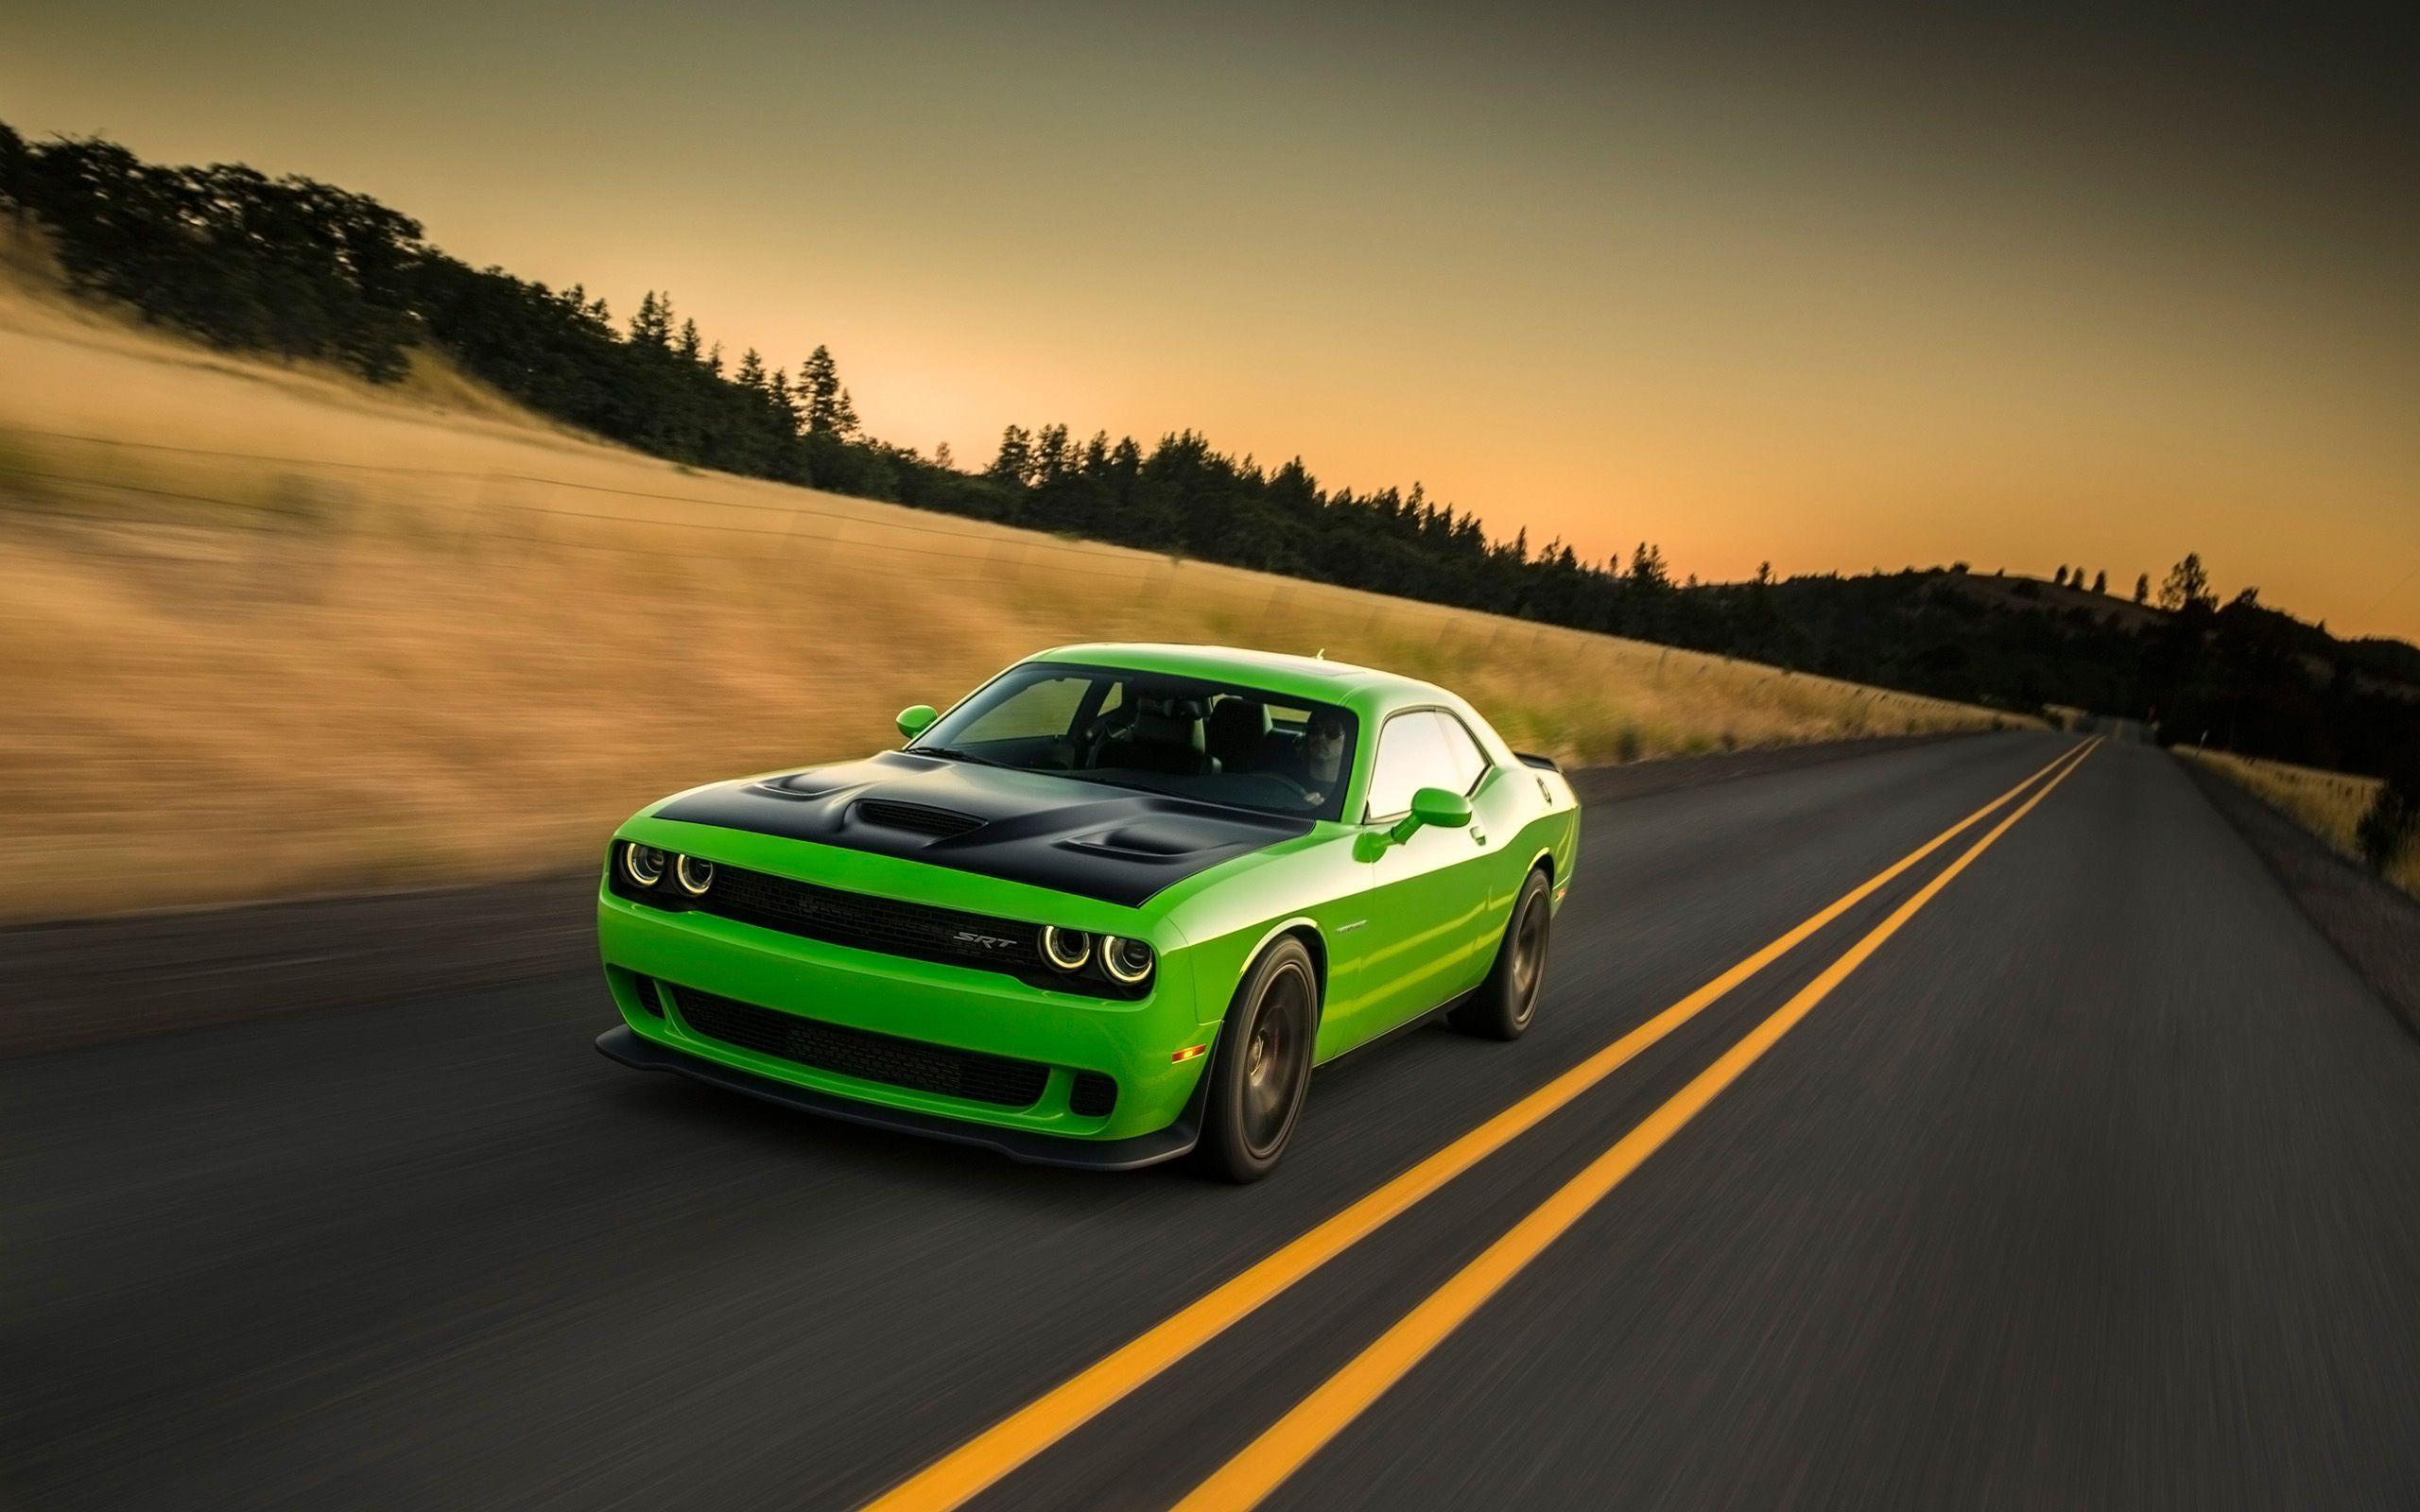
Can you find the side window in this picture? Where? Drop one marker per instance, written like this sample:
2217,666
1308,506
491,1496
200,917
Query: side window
1468,758
1412,754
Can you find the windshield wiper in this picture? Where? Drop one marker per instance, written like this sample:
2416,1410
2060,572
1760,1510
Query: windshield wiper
1254,809
953,753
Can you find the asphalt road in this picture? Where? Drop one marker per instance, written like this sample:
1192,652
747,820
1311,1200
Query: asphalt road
2097,1184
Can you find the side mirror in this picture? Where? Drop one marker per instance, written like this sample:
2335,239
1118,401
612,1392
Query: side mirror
917,719
1439,806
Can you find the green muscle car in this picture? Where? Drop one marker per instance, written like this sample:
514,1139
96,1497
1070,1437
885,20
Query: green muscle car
1110,909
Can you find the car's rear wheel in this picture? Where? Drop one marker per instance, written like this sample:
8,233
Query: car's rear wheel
1262,1066
1507,1000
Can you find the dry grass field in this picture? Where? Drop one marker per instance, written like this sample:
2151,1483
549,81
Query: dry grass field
275,632
2330,804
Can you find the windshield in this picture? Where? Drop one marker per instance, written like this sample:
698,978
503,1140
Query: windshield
1182,736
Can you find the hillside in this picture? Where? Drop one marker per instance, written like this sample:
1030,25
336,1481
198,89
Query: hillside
2017,591
322,277
276,631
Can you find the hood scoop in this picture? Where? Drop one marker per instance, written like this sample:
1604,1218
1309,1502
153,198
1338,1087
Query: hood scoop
1155,839
916,818
799,785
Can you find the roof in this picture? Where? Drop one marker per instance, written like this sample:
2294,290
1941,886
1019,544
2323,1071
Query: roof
1313,678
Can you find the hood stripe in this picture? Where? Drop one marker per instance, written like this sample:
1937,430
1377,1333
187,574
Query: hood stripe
1083,858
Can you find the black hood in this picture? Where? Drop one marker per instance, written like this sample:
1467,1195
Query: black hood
1053,832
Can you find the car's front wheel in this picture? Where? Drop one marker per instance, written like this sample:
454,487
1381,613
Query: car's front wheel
1262,1066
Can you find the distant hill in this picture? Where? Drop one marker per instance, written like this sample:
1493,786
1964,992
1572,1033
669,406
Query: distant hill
2244,676
2018,592
2376,665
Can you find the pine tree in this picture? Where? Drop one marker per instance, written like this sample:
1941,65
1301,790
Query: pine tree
751,373
1016,462
652,325
2101,581
2061,576
945,458
689,344
1646,567
1053,457
2143,588
827,404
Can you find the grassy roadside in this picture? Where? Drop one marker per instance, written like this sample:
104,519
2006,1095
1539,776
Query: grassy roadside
2330,804
275,633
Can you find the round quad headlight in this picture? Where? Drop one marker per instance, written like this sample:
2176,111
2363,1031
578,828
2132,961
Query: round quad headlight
1127,960
1067,949
643,863
694,874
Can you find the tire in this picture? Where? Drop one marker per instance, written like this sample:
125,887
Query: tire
1262,1066
1503,1006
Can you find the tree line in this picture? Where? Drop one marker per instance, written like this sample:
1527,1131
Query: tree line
304,271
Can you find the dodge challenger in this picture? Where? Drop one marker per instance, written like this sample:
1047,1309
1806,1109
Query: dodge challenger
1110,909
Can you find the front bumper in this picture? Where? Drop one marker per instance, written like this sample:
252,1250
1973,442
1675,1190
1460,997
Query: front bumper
1065,1038
1034,1149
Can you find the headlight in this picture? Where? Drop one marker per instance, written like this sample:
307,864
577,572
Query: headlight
695,875
643,863
1129,960
1067,949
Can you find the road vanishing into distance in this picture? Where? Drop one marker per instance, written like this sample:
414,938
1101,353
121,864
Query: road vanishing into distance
2056,1162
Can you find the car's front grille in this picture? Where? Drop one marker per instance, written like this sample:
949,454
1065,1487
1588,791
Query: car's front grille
892,926
863,1054
862,920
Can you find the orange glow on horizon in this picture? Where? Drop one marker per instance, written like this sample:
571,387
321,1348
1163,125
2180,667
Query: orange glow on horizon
1752,307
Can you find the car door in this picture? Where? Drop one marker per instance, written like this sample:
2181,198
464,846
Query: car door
1425,894
1498,813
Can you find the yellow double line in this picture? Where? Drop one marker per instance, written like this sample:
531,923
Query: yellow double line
1277,1454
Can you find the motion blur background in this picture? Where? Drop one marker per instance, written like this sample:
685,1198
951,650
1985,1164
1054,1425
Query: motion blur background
474,418
430,432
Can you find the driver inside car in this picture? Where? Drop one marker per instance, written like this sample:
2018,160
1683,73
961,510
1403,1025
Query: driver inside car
1316,762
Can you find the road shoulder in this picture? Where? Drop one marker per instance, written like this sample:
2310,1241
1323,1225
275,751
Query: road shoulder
2374,927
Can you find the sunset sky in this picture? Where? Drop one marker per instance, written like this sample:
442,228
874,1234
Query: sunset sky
1835,288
